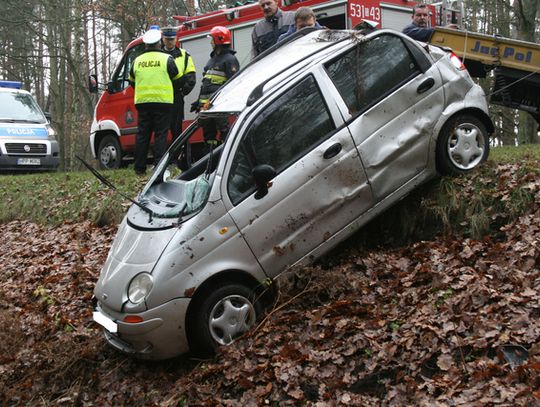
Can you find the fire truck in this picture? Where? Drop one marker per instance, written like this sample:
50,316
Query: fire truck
113,131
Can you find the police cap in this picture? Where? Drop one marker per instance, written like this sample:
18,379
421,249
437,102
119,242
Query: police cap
169,32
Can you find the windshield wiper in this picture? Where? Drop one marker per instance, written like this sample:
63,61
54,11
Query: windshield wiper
109,184
11,120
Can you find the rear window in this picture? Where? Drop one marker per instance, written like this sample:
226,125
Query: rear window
20,107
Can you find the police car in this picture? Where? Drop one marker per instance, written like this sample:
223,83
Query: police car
27,140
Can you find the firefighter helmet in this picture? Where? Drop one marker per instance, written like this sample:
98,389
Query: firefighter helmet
220,35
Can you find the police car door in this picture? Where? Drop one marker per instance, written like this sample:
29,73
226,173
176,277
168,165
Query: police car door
320,185
393,96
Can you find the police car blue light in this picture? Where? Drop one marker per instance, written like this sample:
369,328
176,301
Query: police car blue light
27,140
10,84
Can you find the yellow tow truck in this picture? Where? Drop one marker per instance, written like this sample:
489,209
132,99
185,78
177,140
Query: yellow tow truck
516,65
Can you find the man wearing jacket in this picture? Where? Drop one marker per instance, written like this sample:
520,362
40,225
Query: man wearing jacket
419,29
184,85
152,75
218,70
267,31
304,17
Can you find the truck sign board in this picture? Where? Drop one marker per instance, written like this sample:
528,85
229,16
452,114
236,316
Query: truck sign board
361,10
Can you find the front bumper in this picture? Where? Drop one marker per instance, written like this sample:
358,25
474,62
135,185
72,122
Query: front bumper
47,159
161,335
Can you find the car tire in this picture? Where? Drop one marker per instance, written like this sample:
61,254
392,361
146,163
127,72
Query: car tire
462,145
222,315
109,153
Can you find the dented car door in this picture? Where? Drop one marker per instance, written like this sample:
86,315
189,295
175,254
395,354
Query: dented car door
320,185
393,96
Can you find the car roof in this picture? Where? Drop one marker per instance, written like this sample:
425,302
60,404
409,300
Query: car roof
277,65
11,90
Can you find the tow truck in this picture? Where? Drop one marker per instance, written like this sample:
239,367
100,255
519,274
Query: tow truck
515,64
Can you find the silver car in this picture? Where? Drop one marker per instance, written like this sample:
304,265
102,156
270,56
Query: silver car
327,131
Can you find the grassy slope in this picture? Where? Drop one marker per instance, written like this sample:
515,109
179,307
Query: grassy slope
53,198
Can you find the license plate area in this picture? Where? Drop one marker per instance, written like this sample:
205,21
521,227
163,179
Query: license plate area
105,322
28,161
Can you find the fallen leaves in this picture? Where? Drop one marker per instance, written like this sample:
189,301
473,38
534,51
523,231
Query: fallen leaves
453,320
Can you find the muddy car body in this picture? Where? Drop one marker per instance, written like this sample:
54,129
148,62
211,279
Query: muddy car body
328,130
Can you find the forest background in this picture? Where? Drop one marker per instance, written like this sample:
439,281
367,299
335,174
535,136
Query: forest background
51,46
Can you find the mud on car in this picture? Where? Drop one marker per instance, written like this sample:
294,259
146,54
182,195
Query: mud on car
327,130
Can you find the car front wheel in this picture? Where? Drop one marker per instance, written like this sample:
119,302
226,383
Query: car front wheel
109,153
462,145
221,316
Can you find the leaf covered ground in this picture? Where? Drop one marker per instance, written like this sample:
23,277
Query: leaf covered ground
447,321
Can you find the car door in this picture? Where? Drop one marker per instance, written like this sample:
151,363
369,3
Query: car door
394,96
320,185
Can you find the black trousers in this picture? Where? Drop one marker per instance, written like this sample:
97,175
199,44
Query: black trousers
156,118
177,115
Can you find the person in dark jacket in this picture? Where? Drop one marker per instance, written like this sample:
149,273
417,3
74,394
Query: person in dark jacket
218,70
267,31
419,29
304,17
152,75
186,82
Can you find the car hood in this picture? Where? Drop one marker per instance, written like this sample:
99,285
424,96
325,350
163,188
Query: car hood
133,252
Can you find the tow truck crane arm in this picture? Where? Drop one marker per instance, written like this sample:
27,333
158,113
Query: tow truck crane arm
516,65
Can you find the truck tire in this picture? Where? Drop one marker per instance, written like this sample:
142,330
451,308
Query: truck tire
462,145
222,315
109,153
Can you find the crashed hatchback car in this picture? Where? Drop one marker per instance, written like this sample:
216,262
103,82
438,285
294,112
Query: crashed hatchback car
327,131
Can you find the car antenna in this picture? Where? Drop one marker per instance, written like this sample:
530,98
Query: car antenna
109,184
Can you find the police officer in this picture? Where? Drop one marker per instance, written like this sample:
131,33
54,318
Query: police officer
184,85
220,68
152,75
267,31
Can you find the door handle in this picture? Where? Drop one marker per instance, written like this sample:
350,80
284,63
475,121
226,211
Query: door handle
332,151
426,85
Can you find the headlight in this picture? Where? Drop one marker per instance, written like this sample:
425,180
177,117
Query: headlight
51,131
139,287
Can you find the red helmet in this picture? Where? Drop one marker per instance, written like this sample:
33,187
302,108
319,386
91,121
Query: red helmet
220,35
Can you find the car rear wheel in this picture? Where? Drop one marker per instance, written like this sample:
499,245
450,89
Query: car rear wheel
109,153
462,145
221,316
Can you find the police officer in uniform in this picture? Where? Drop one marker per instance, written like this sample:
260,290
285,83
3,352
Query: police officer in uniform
220,68
152,75
184,85
267,31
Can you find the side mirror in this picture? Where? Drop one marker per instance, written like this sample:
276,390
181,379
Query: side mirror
262,174
48,116
92,83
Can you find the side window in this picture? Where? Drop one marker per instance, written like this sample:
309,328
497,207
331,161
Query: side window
120,79
286,130
371,70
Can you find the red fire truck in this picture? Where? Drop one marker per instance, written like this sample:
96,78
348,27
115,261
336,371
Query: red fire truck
112,135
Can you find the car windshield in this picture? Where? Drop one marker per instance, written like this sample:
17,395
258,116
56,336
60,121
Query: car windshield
20,107
180,184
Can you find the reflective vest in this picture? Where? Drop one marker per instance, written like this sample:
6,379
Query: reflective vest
152,81
184,63
217,71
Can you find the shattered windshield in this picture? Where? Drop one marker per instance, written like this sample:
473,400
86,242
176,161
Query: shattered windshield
180,184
